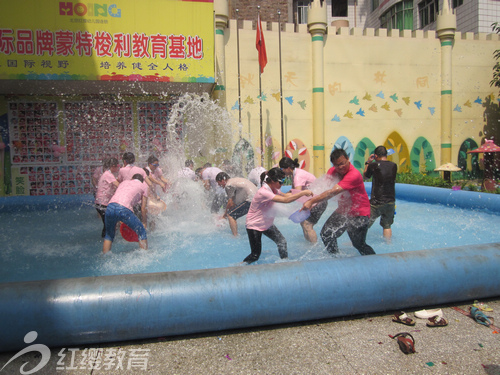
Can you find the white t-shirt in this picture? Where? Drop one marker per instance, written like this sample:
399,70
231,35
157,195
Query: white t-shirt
240,189
254,175
209,174
186,172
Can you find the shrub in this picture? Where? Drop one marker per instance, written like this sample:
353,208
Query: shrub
422,179
426,180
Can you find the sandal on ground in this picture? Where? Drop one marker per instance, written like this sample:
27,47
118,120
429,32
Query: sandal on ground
480,317
401,317
437,321
406,342
482,306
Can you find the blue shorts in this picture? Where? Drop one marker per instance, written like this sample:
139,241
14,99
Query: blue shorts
240,210
116,212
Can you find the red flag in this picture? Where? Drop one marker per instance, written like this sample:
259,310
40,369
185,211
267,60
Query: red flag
260,44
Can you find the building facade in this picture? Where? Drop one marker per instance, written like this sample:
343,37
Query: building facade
475,16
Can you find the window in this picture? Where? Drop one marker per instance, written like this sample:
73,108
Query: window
375,4
339,8
427,11
457,3
399,16
302,7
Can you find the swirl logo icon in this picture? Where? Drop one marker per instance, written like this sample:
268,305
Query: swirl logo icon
42,349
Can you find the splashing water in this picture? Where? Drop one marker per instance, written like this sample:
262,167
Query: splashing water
66,243
198,128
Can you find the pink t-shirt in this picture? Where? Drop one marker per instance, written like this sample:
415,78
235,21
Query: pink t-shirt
129,193
127,172
105,188
158,173
357,203
259,215
97,174
302,178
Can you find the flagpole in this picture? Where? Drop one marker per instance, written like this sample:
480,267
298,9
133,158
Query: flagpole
239,76
281,88
260,97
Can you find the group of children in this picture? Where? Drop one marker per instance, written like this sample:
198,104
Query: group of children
239,197
123,195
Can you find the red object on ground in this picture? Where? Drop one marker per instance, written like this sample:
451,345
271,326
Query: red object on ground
128,234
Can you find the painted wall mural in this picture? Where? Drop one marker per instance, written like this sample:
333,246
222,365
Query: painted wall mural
243,155
469,162
387,101
248,80
401,153
422,159
363,150
296,149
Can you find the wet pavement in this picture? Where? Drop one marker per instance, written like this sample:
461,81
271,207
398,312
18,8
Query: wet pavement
350,345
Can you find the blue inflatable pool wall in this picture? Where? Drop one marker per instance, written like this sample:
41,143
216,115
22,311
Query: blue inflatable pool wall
72,312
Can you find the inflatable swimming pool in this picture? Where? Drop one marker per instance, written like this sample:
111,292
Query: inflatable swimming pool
71,312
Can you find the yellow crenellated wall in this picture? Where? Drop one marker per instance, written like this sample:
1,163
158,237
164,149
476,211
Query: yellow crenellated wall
380,87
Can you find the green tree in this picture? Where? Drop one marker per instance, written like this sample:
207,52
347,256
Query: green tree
496,69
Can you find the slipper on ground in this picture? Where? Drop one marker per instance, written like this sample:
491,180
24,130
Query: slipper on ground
482,306
426,314
480,317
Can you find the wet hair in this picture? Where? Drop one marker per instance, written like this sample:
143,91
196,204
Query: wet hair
189,163
337,153
380,151
262,177
198,171
273,175
138,176
289,163
128,158
111,162
105,164
222,176
152,159
147,171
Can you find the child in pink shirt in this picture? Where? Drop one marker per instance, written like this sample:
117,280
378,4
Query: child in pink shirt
128,171
106,188
120,208
156,174
260,218
302,179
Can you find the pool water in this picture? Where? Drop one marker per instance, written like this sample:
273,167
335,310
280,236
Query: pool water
66,243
